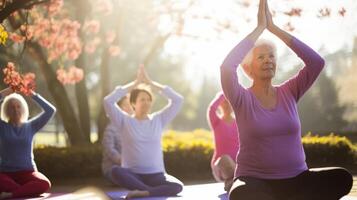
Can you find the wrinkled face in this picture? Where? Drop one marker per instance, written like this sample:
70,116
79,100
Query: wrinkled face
263,65
142,104
14,110
226,107
126,107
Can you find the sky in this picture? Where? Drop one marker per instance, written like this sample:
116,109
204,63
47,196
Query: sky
203,56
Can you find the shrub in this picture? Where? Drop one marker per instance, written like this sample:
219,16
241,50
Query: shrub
70,162
187,156
329,150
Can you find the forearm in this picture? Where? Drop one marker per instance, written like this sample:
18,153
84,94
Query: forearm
47,107
172,95
173,107
130,86
255,34
118,93
156,86
48,111
216,102
282,35
110,103
212,109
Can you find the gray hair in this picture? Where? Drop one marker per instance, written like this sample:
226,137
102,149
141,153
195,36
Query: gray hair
4,107
249,57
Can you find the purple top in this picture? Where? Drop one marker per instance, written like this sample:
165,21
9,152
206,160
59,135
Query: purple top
225,133
270,139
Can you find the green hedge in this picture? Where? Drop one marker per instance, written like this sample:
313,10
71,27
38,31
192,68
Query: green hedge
330,150
187,162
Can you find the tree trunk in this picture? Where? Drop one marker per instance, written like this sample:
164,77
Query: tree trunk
102,119
81,91
59,94
82,100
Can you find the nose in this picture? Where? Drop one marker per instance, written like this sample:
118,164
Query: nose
268,59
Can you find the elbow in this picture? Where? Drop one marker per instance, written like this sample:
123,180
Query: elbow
210,111
180,100
320,63
51,110
106,102
54,110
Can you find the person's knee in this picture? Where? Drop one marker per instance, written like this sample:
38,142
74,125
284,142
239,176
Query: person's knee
115,171
346,181
116,175
43,186
226,166
176,188
225,160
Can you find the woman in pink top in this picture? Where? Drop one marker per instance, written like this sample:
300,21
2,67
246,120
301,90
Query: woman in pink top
271,159
225,138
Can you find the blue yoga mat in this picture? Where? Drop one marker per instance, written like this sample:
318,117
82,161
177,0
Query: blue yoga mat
212,191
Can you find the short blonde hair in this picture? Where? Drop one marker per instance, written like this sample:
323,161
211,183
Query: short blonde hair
5,104
247,61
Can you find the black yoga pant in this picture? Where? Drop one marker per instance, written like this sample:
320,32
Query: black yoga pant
314,184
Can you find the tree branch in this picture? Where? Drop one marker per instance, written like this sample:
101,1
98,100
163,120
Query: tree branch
17,5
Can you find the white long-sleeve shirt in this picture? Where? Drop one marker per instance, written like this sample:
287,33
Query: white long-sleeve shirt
141,139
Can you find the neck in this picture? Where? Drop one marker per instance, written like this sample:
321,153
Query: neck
263,87
141,116
15,123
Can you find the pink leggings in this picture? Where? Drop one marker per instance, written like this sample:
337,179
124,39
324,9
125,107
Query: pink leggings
24,183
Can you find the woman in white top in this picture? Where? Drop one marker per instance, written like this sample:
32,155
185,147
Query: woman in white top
143,169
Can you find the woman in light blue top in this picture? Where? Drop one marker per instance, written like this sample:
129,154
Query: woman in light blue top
143,169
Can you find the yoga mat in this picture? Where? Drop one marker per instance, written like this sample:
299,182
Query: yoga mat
212,191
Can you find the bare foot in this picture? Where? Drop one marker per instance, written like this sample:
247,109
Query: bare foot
5,195
137,193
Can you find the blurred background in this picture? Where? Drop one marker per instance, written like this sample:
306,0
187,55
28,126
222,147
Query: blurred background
182,44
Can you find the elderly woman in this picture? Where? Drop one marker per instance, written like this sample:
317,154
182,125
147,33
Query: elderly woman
18,173
143,170
271,160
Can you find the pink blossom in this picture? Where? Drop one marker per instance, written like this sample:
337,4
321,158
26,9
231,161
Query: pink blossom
55,6
90,48
110,36
16,38
72,76
45,42
91,26
114,50
105,7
